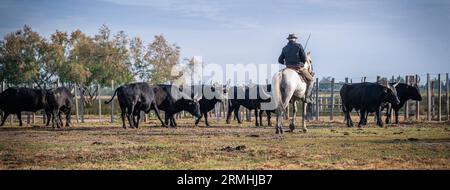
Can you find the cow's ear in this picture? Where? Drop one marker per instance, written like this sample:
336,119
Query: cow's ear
385,90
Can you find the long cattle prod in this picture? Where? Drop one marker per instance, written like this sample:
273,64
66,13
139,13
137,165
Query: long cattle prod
307,40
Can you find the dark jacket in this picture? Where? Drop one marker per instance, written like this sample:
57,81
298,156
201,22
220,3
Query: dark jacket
292,54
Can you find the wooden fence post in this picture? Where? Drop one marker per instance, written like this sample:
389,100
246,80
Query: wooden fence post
446,96
428,97
406,113
439,98
433,99
99,103
332,99
82,103
317,100
28,113
112,102
1,90
77,114
417,102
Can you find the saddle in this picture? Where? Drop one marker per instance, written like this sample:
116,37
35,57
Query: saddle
303,73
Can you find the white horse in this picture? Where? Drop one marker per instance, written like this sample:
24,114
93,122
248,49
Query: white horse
288,86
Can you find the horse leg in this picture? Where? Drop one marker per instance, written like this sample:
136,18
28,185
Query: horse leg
294,116
278,126
305,105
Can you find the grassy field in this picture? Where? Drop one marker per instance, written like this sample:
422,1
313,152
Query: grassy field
327,145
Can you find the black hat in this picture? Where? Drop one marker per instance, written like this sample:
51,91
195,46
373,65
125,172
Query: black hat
291,36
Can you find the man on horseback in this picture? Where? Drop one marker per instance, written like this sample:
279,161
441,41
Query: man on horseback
294,57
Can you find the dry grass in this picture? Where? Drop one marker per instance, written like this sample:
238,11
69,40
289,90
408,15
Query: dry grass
327,145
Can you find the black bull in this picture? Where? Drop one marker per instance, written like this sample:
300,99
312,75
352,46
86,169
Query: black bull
16,100
263,95
136,97
405,92
367,98
58,100
54,101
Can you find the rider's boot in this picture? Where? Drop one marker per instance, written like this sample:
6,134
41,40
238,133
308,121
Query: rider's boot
308,95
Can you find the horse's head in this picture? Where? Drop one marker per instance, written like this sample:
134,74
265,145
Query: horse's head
308,63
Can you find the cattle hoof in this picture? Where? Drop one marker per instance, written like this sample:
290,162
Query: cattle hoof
305,130
292,127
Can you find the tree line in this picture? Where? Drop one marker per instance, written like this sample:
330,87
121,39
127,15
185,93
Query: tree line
77,59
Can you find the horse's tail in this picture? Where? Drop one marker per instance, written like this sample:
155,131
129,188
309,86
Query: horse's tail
112,98
276,88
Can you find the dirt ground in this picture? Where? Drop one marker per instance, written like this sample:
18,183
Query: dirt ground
327,145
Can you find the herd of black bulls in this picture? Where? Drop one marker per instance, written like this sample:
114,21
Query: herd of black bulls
136,97
54,102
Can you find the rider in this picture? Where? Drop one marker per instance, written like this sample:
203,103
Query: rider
294,57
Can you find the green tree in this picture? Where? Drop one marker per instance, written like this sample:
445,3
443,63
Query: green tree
140,68
162,57
108,61
80,48
20,56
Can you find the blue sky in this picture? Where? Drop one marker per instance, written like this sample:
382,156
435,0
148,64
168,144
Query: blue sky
349,37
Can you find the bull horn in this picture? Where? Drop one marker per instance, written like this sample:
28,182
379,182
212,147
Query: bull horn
395,85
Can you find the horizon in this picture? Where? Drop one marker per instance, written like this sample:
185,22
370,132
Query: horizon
348,38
